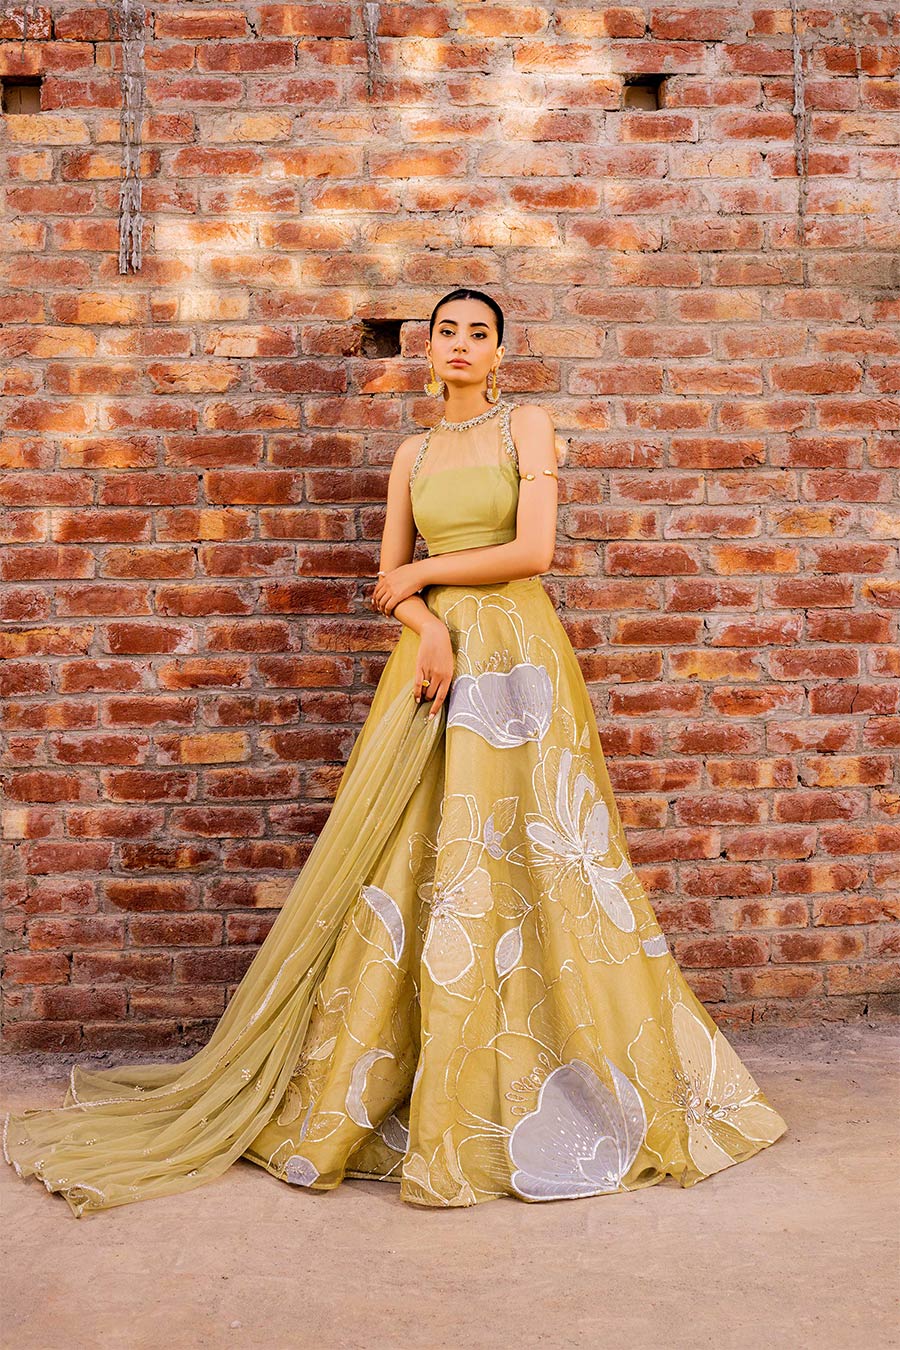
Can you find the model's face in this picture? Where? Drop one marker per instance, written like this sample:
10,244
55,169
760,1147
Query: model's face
464,331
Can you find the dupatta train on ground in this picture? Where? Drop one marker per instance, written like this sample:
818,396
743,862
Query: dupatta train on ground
139,1131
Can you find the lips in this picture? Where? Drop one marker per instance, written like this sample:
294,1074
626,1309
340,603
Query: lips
459,363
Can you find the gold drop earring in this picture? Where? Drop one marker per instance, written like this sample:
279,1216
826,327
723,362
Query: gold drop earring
493,393
433,385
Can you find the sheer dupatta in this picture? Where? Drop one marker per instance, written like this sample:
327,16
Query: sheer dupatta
138,1131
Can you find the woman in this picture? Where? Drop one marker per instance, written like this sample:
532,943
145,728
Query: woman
467,991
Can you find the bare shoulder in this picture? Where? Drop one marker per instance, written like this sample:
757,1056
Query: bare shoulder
534,435
531,419
405,454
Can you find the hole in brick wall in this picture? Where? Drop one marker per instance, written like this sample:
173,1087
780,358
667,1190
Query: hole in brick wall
21,93
643,91
380,337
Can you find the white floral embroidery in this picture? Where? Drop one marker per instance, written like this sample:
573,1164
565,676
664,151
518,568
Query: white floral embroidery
449,953
656,945
581,1139
508,951
387,909
394,1133
498,825
699,1081
459,890
354,1102
505,707
574,852
299,1171
439,1179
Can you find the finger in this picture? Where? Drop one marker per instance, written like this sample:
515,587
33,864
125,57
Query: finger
439,697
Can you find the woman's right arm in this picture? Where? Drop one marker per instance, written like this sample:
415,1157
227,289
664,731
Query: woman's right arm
398,544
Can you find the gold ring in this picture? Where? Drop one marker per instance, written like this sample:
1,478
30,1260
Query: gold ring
425,684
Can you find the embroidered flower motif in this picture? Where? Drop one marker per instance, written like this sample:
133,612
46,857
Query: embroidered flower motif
505,707
703,1089
321,1037
458,890
354,1102
449,952
526,1020
571,839
656,945
299,1171
582,1139
438,1179
388,911
508,951
394,1133
498,825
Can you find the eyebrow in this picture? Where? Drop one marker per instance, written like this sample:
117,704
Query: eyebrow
473,323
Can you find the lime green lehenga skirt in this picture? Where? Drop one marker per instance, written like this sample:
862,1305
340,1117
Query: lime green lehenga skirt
466,992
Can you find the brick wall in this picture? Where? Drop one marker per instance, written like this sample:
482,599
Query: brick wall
196,457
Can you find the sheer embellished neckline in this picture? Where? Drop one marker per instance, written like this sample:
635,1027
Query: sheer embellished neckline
504,408
443,424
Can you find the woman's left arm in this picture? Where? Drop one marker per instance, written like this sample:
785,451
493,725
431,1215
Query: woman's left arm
529,553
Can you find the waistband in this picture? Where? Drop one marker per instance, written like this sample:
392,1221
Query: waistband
518,585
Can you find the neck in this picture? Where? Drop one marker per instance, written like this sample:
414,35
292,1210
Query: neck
463,407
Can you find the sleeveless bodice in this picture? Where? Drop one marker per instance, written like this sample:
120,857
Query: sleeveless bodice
464,484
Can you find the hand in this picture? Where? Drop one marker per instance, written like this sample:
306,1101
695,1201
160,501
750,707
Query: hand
434,663
396,585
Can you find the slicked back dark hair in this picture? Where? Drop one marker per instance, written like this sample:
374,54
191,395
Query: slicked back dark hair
465,294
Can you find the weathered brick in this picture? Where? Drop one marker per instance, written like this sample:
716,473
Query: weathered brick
195,463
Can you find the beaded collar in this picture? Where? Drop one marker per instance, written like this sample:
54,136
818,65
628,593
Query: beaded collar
472,421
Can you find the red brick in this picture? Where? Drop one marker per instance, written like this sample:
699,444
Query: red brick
737,949
251,56
320,20
36,968
76,1003
94,930
56,1037
195,462
211,23
818,946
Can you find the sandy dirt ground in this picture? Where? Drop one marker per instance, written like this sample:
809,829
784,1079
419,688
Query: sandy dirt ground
796,1247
